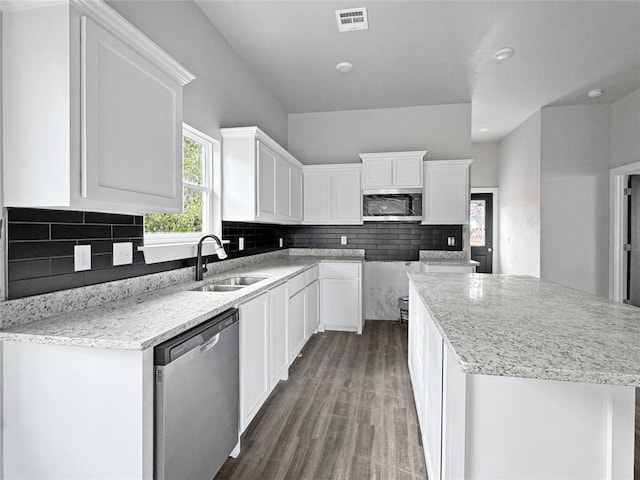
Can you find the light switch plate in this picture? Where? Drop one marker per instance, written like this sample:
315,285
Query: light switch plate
451,241
280,243
81,257
241,243
122,253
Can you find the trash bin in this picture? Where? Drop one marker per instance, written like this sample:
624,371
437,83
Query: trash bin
403,305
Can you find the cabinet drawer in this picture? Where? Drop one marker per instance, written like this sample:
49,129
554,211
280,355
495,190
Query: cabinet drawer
312,274
340,270
297,283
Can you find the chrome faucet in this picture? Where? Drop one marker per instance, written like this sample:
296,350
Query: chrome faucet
200,267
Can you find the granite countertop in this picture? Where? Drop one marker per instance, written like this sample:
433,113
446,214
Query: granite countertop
451,262
143,321
521,326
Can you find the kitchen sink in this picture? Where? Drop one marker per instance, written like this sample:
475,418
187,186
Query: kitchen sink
217,288
239,281
228,284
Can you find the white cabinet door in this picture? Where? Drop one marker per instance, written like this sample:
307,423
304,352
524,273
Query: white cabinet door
432,404
317,196
283,189
296,324
446,192
266,208
378,173
312,293
346,197
407,172
416,347
131,125
92,115
278,335
296,194
340,304
254,360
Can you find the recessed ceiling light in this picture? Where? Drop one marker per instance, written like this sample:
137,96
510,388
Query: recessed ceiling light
595,93
504,53
344,67
484,129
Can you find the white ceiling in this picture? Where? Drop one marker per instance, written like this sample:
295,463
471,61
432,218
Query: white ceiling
438,52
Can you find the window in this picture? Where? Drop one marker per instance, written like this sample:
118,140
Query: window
477,220
201,200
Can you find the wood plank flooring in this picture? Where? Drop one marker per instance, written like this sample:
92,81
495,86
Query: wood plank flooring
346,412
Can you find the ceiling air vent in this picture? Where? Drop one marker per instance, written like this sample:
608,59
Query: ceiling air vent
352,19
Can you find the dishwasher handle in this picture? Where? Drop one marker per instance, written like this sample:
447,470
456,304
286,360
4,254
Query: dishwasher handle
210,343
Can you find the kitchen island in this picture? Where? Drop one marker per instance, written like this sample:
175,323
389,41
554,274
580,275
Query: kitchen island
518,378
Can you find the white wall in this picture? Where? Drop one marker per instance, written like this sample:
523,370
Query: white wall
484,169
625,130
574,196
225,93
519,180
338,137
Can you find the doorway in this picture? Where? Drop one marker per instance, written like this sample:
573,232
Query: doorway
481,230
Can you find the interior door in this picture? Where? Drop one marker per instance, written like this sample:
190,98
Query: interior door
481,230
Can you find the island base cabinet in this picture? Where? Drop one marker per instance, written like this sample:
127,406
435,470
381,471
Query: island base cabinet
506,427
76,412
503,427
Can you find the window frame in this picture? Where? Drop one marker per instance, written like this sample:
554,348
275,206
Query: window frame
211,190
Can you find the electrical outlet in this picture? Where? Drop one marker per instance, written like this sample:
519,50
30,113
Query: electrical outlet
451,241
281,243
81,257
241,243
122,253
343,240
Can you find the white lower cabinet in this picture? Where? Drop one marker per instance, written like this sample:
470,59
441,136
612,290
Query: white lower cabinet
312,294
296,324
254,357
278,335
341,296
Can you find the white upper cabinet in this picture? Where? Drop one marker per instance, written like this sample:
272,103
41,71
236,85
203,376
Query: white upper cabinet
332,194
92,112
262,181
446,192
392,170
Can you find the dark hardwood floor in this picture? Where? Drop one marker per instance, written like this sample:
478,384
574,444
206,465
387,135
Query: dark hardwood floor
346,412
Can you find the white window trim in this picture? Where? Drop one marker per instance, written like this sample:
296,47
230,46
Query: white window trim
162,247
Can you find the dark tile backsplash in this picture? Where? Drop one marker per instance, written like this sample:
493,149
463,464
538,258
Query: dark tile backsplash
40,246
382,241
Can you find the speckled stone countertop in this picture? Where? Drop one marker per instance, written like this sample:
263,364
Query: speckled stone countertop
438,257
520,326
143,321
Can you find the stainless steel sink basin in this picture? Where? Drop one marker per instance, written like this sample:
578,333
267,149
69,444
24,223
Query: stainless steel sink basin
239,281
217,288
228,284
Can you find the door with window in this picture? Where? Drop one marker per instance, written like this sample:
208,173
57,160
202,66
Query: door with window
481,230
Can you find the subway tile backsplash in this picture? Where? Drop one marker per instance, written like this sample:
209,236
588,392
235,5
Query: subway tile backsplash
382,241
41,241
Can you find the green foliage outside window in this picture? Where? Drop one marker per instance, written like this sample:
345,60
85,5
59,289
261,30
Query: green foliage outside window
191,218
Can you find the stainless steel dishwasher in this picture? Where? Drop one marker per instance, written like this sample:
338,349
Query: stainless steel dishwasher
196,399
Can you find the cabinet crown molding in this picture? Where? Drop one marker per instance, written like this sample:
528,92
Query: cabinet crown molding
250,132
392,155
108,18
333,167
465,161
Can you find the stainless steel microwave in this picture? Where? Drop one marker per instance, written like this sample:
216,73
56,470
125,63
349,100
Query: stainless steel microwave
389,205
